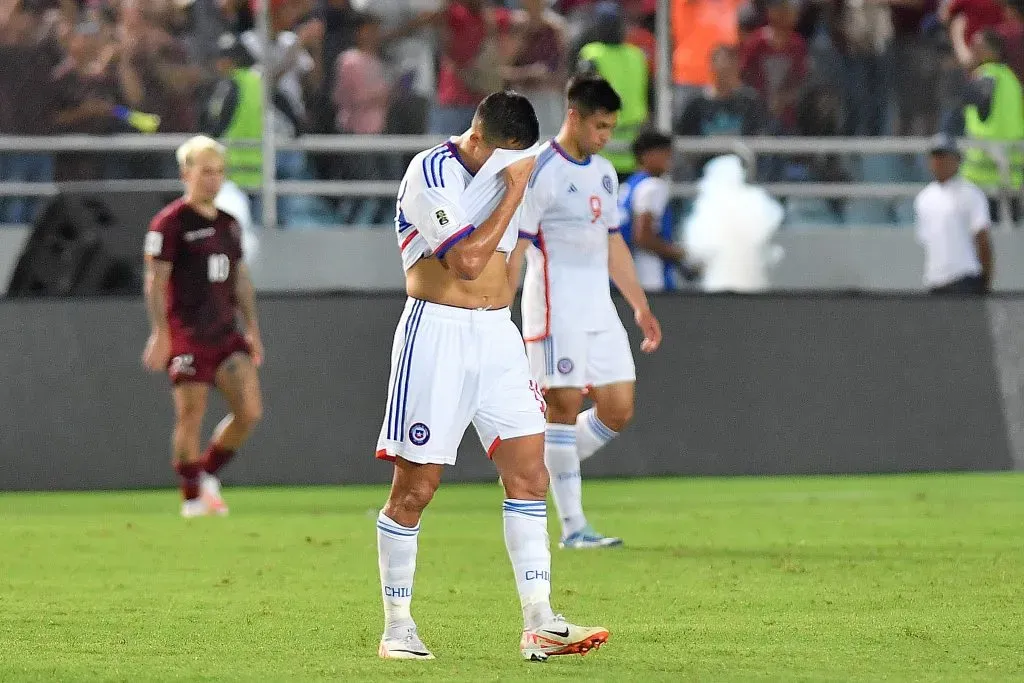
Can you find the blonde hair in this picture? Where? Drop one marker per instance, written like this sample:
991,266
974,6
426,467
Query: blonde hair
194,145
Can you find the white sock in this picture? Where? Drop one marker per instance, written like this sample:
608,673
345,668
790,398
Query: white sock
396,556
564,469
526,537
591,434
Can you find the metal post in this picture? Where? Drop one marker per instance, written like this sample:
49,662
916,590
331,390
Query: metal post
269,190
663,80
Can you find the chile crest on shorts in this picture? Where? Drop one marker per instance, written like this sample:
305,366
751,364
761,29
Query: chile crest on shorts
419,434
606,182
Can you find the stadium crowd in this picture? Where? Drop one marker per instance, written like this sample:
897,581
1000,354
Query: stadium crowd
777,67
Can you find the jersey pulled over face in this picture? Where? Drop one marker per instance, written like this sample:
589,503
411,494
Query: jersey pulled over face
204,253
569,210
431,214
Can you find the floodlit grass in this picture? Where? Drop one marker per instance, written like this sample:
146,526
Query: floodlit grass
872,578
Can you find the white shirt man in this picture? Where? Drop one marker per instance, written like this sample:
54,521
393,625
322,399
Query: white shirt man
952,216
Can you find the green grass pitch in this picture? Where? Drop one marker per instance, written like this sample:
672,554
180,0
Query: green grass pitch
787,579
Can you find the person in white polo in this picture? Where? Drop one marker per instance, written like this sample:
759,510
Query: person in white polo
953,223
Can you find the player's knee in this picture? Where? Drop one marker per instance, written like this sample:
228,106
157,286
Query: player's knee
617,417
529,483
563,407
412,498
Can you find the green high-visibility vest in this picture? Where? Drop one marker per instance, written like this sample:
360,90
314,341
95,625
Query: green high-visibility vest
245,164
1005,122
624,66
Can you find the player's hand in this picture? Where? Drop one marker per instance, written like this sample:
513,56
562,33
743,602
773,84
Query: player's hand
517,175
651,328
158,351
252,337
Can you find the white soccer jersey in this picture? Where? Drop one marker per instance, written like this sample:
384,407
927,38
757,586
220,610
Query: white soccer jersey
569,210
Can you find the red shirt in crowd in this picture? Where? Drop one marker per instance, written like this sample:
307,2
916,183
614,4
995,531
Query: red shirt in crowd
773,68
980,14
1012,33
466,30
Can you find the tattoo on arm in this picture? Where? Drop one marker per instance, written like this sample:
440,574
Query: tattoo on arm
246,295
158,274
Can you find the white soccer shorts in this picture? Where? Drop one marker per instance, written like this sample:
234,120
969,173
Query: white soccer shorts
450,367
571,357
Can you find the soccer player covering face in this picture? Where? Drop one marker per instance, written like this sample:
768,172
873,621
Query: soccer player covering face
196,283
458,359
575,340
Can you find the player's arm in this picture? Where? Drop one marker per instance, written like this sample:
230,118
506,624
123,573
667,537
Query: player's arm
158,346
470,252
245,293
651,199
981,221
646,237
515,263
158,277
623,274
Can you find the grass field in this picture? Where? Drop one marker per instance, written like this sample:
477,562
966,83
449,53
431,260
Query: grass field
867,579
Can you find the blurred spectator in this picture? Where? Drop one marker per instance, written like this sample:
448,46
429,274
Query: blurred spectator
994,112
819,113
28,52
966,17
727,106
290,66
640,31
362,94
538,68
624,66
911,70
774,61
470,62
234,111
206,21
852,36
698,26
1011,32
953,221
410,47
154,70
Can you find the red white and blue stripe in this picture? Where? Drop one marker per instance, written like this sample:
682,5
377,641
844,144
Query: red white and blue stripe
535,509
388,527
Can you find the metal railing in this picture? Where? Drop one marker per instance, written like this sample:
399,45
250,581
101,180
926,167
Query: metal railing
750,149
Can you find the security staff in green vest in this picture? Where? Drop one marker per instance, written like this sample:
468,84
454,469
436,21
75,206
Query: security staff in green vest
234,111
625,67
994,112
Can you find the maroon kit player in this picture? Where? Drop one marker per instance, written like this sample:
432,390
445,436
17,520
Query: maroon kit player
196,288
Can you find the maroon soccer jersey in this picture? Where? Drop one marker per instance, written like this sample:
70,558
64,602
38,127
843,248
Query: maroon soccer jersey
201,300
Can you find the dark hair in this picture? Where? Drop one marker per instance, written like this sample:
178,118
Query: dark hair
649,140
589,94
507,119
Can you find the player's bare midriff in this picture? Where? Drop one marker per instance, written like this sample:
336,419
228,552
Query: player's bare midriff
431,280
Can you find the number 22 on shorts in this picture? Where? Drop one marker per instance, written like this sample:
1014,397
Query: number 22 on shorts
595,208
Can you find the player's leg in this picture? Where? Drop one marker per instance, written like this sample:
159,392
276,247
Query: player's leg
428,410
510,423
238,380
398,528
611,375
561,458
599,424
559,363
190,400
